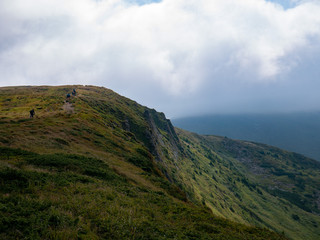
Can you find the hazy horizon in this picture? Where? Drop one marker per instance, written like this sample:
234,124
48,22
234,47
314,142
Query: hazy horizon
296,132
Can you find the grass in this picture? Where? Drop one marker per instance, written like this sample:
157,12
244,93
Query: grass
252,183
74,197
115,169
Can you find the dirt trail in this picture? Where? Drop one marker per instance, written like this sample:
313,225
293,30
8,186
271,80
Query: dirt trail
68,107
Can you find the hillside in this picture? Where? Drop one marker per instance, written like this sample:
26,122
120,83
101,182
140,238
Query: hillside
298,132
103,166
253,183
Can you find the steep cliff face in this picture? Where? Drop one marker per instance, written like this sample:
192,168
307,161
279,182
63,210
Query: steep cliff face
163,141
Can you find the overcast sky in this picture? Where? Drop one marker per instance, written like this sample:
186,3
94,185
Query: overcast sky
182,57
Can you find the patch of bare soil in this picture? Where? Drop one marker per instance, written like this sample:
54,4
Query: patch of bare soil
68,107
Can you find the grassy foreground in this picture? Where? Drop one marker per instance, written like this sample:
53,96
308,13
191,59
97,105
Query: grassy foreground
61,196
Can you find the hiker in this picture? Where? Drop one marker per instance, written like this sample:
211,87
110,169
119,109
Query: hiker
68,97
74,92
32,113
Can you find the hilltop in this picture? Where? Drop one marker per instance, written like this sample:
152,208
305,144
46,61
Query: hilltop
102,166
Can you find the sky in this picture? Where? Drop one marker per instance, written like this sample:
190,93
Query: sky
181,57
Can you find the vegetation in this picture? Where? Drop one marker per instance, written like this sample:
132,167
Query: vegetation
61,196
253,183
105,167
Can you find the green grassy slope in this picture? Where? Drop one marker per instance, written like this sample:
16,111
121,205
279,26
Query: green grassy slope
253,183
96,169
62,196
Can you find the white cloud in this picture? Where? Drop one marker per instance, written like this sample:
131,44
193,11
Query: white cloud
178,46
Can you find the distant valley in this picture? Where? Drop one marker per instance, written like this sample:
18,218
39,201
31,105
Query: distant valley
297,132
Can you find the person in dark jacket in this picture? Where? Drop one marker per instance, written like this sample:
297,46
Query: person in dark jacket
32,113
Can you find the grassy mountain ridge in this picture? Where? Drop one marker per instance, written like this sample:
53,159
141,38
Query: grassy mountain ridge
103,166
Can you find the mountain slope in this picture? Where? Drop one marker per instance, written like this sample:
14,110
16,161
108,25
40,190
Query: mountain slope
253,183
102,166
61,196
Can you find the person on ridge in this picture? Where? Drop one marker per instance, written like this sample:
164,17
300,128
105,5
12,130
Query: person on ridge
32,113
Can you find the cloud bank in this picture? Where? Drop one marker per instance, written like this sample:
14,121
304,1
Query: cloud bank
169,54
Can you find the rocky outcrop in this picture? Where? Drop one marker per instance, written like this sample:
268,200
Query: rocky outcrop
163,140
